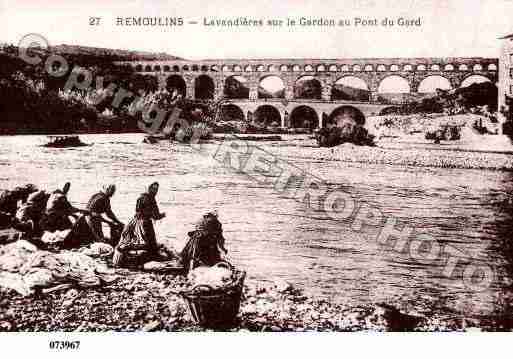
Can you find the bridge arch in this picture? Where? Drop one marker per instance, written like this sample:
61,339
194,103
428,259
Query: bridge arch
350,87
271,86
368,68
477,67
333,68
393,88
284,68
236,87
473,79
268,115
421,67
147,68
248,68
204,87
407,67
431,83
307,87
304,116
176,83
381,68
463,67
435,67
345,113
167,68
394,84
492,67
156,68
138,68
344,68
231,112
449,67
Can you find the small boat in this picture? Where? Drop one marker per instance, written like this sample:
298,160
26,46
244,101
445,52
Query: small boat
64,141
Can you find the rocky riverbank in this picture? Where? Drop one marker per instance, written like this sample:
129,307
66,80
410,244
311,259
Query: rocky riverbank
420,157
145,302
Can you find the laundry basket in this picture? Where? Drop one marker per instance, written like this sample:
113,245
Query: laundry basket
215,308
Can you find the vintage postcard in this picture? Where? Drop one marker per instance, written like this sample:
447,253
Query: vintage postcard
263,166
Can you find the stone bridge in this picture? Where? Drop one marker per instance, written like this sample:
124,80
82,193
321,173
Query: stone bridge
240,83
292,113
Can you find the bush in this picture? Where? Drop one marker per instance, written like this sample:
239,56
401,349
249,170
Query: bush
447,133
334,136
30,107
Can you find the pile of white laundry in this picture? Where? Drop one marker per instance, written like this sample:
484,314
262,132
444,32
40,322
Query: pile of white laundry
25,268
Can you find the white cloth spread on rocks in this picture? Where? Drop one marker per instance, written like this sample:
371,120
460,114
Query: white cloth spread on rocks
24,268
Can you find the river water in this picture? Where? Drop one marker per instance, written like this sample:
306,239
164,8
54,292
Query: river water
272,236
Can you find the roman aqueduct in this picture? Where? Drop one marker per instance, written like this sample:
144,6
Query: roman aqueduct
238,83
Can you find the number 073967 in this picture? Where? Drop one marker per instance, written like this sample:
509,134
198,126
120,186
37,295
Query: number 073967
64,345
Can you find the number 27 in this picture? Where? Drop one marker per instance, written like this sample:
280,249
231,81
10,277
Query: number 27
94,20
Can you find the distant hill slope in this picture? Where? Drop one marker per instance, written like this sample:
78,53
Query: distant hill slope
343,92
121,55
111,54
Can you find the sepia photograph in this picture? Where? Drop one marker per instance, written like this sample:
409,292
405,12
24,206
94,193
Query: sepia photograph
273,166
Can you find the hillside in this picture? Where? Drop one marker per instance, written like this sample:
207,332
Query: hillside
343,92
117,54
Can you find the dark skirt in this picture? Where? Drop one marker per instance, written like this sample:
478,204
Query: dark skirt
80,235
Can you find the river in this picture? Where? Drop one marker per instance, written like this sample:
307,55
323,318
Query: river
270,234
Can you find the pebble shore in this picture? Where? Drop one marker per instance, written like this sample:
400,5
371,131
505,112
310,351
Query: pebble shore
418,157
145,302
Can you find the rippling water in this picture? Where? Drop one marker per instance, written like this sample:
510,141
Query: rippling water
271,235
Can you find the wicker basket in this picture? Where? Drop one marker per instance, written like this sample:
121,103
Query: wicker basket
215,308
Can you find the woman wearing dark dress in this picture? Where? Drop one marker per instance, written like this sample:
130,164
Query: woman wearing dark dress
98,205
139,233
205,244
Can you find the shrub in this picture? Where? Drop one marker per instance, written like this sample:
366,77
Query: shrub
334,136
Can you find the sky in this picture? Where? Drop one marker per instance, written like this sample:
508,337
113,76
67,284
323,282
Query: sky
448,28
